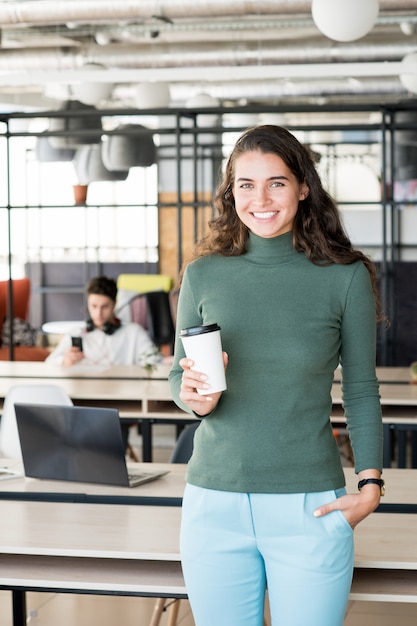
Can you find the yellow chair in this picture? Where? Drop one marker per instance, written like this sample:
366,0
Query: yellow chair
152,308
143,283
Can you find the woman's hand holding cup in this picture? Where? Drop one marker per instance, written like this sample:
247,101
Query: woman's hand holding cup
195,389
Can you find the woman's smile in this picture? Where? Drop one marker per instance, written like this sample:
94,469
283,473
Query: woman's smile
265,215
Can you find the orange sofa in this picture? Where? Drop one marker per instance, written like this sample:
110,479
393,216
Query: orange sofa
21,300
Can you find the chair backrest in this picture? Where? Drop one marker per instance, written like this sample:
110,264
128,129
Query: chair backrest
21,297
142,283
34,394
160,324
185,443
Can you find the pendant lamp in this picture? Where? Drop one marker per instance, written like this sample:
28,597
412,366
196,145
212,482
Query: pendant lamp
409,81
345,20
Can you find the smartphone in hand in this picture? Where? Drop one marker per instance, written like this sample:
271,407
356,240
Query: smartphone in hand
77,342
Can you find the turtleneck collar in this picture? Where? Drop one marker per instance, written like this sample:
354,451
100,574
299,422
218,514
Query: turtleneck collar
271,251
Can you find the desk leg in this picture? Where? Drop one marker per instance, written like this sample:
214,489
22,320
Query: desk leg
402,448
19,607
387,446
146,440
414,449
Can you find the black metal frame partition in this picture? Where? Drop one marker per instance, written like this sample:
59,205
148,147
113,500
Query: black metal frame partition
182,128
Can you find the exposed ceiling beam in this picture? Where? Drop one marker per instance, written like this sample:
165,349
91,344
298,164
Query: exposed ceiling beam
210,74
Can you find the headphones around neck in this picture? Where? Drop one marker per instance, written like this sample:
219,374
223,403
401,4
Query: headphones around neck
109,328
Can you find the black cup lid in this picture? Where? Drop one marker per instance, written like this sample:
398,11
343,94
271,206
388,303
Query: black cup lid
199,330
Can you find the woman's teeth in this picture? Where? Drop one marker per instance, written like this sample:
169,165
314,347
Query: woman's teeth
264,215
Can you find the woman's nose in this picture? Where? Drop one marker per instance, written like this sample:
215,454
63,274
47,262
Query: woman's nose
261,195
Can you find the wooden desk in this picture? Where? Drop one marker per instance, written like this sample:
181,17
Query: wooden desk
88,548
392,395
29,369
133,550
107,549
386,375
137,396
166,491
401,489
148,400
399,416
386,559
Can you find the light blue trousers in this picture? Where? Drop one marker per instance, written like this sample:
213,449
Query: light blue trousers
234,545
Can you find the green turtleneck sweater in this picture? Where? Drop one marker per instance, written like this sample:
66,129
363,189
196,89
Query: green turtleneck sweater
286,324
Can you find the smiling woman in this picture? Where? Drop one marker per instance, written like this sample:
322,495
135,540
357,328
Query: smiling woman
265,503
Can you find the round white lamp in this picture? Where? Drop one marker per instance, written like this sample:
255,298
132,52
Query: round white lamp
152,96
409,81
91,92
344,20
201,101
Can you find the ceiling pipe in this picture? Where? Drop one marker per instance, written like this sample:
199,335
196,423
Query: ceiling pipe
45,12
52,12
251,91
274,91
272,51
192,55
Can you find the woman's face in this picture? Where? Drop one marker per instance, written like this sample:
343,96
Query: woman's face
266,193
100,309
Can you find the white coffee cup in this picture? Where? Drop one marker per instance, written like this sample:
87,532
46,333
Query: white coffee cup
202,344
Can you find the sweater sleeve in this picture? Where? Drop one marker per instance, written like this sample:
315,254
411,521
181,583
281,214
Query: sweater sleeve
361,400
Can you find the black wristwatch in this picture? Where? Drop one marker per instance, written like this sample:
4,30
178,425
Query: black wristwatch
373,481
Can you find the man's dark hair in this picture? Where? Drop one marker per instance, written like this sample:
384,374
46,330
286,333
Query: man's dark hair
102,285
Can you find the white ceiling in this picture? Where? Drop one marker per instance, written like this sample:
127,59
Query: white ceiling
236,51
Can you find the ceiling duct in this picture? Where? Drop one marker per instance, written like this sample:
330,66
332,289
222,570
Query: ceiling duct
48,42
52,12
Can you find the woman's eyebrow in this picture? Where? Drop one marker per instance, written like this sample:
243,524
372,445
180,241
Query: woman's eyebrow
244,179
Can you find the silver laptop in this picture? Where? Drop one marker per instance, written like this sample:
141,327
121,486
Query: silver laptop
72,443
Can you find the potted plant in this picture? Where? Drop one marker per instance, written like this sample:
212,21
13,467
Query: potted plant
150,360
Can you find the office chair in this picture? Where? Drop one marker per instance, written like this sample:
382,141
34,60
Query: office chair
35,394
153,311
181,454
21,300
160,324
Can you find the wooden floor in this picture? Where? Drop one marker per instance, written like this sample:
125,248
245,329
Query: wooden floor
72,610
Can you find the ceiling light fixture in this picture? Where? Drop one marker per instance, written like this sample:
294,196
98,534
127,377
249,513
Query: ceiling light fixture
92,93
152,95
345,20
409,80
201,101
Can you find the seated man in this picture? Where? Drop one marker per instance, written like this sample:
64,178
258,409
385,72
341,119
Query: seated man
104,340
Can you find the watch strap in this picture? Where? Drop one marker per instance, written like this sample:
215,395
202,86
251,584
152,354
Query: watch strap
373,481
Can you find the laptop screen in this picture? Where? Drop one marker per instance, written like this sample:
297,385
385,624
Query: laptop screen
81,444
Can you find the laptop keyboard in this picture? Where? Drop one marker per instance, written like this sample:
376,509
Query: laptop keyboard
138,478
